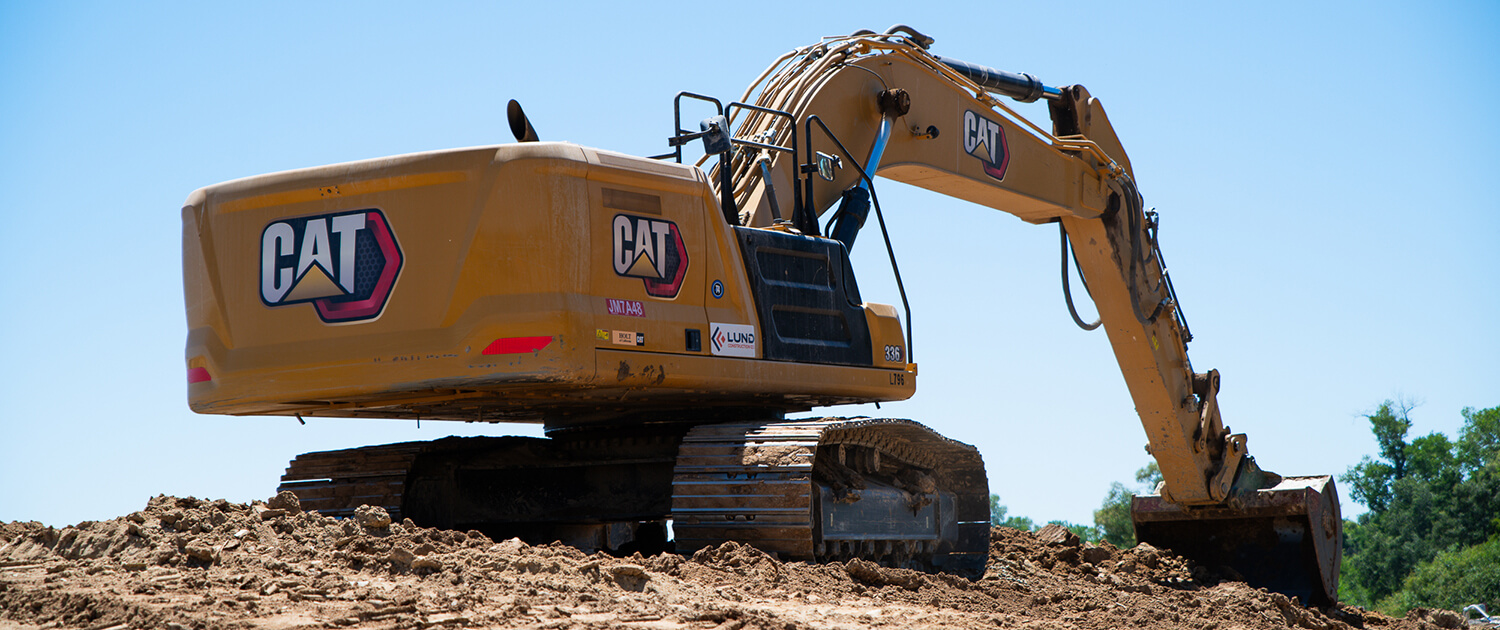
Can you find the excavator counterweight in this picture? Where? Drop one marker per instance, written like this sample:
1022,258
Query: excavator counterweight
660,320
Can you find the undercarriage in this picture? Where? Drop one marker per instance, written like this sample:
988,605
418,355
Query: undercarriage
890,491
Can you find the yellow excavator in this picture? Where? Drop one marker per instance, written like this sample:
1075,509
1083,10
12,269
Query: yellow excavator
661,319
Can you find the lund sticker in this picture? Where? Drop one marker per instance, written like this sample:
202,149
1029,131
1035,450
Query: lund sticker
652,250
732,340
985,140
632,308
345,264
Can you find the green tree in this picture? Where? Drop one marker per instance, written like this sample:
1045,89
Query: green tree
1452,580
1112,519
1370,480
998,517
1479,441
1390,422
1088,533
1427,497
1432,459
1149,477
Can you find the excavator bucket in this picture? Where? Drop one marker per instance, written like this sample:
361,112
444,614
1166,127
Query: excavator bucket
1287,538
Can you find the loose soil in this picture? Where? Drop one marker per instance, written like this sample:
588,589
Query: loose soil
188,563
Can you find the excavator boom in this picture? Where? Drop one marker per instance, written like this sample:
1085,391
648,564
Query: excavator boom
1215,503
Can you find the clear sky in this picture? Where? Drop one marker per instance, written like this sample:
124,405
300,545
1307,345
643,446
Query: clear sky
1324,171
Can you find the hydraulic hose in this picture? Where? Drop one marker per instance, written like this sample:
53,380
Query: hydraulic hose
1067,293
1133,212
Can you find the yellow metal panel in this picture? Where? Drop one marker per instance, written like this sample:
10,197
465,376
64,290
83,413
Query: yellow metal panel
501,310
887,339
648,258
363,187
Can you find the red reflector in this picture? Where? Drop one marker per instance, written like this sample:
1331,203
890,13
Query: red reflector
198,375
517,345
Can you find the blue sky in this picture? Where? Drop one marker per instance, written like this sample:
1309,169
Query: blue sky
1323,172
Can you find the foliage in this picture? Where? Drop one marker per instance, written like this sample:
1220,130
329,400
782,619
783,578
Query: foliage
1112,519
1088,533
1149,477
999,519
1479,441
1432,500
1452,580
1370,480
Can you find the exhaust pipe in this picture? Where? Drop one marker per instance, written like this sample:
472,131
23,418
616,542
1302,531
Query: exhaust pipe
520,126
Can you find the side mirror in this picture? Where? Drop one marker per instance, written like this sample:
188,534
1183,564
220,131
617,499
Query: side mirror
715,132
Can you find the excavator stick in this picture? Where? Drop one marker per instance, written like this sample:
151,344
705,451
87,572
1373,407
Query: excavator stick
1287,538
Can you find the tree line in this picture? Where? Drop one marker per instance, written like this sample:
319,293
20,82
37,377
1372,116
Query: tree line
1111,520
1430,537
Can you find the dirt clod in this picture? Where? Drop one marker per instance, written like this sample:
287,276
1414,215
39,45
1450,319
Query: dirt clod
285,500
372,517
1054,534
212,565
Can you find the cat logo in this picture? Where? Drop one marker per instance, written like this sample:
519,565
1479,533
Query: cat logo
985,140
344,263
652,250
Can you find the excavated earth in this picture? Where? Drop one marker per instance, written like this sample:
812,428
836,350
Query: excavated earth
188,563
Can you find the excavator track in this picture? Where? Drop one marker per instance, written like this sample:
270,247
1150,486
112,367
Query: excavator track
892,491
335,483
592,490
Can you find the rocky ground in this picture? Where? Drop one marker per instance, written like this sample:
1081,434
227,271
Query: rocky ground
187,563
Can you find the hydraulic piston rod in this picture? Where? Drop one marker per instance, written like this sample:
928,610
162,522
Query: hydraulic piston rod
1022,87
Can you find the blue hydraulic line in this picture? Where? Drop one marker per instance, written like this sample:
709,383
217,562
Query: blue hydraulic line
855,206
873,164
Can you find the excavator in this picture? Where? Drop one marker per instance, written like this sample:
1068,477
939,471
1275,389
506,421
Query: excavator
660,320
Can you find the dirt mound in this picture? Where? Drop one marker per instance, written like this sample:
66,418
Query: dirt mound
187,563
